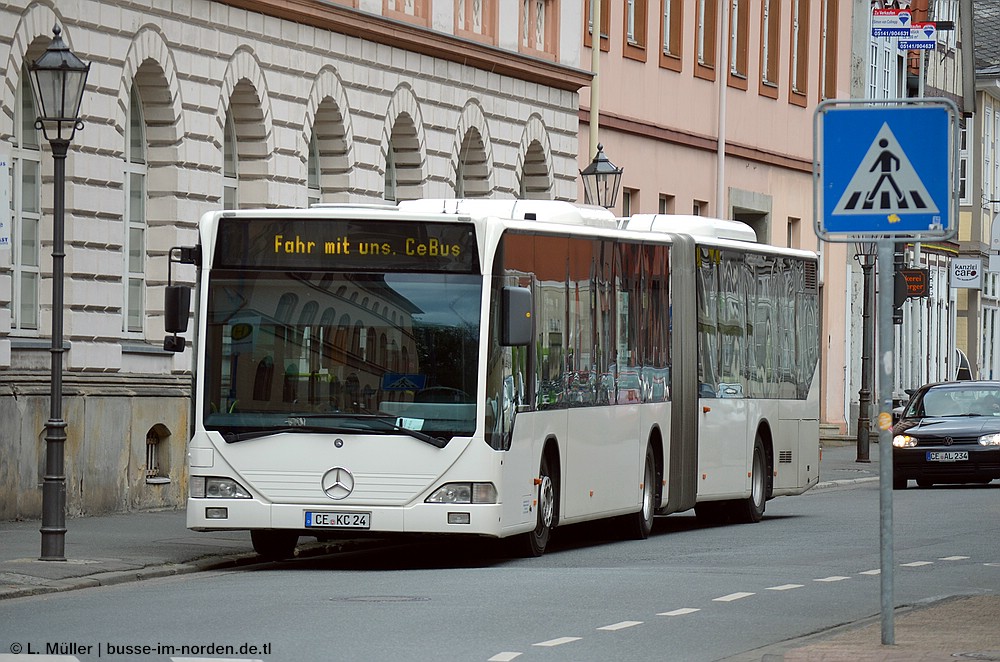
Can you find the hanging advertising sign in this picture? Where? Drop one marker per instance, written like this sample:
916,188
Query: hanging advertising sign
891,22
967,273
923,36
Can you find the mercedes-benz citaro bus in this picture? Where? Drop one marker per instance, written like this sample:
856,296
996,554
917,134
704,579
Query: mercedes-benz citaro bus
491,368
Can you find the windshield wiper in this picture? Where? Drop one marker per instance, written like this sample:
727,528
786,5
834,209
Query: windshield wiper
437,442
230,436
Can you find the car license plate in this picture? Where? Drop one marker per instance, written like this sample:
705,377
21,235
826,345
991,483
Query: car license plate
322,520
947,456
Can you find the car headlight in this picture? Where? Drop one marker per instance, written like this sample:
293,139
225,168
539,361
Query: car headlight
212,487
904,441
464,493
990,439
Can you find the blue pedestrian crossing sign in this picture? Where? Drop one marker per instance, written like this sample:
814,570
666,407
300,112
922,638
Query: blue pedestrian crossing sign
885,170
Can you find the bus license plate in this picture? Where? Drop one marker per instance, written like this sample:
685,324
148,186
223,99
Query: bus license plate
947,456
338,520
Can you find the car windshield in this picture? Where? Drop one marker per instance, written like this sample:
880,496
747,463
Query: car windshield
341,352
951,401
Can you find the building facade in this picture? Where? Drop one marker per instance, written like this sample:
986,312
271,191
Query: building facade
708,106
199,104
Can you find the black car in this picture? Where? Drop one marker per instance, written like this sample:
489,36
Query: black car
948,432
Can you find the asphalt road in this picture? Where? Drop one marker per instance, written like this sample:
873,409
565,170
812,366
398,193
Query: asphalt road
688,593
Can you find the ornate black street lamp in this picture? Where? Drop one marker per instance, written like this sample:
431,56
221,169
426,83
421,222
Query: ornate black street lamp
601,180
58,79
865,253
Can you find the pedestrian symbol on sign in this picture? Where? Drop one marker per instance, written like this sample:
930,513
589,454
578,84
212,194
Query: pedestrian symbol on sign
885,181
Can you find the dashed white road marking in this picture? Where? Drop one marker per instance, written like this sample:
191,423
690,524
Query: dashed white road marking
559,641
876,571
916,564
954,558
504,657
683,611
620,626
732,596
834,578
783,587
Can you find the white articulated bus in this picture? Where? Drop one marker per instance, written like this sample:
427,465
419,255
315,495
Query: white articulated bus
492,368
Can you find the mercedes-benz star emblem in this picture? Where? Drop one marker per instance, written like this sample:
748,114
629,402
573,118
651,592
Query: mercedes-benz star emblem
338,483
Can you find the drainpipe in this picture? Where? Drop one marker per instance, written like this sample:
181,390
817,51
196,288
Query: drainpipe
720,177
595,65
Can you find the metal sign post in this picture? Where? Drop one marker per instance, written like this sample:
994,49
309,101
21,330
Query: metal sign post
885,171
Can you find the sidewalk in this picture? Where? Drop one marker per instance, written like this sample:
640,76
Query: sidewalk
113,549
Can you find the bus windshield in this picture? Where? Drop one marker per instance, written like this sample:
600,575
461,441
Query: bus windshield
385,353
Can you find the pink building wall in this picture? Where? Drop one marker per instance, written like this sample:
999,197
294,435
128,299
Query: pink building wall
663,128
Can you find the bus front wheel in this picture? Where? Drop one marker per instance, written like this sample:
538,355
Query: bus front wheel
274,545
534,542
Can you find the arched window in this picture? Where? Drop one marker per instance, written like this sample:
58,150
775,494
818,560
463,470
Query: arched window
26,179
134,246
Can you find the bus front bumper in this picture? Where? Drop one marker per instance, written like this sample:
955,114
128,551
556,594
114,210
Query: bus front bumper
430,518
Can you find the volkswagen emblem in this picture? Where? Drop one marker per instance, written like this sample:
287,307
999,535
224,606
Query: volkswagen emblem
338,483
948,441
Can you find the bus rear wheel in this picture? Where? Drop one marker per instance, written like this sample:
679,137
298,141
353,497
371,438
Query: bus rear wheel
751,509
274,545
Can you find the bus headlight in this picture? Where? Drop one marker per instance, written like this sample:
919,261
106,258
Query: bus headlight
904,441
464,493
212,487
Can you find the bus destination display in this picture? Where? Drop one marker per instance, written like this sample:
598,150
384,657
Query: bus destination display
352,244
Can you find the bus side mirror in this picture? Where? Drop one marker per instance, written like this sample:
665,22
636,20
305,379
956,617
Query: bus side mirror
176,307
516,313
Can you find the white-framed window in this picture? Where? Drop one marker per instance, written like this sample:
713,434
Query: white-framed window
230,165
630,21
873,71
315,194
800,28
964,160
946,10
26,206
770,46
988,156
705,43
134,247
671,28
994,190
739,33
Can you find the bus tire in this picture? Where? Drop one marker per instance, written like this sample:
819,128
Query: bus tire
639,524
274,545
533,543
751,509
